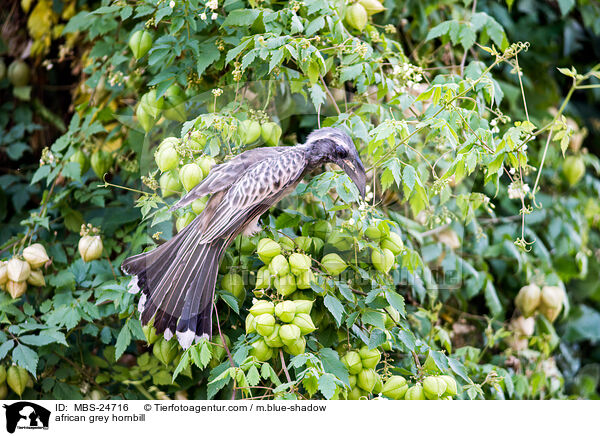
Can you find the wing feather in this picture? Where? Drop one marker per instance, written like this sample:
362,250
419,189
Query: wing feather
261,186
226,174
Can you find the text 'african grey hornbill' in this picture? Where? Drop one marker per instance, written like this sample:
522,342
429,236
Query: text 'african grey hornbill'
177,279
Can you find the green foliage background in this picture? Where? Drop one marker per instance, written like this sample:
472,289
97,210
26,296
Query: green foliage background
430,91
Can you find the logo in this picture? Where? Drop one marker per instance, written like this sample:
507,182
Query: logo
26,415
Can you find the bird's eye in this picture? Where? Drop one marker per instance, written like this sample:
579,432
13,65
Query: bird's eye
341,152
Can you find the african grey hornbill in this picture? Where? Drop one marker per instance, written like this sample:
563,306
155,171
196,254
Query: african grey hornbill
177,279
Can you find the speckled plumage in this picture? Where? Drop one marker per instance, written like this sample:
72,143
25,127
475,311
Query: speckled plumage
177,279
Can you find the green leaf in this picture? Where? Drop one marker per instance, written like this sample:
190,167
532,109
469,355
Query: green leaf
491,298
253,376
408,339
374,317
335,308
241,17
314,26
25,357
6,347
327,385
396,301
332,364
208,53
123,340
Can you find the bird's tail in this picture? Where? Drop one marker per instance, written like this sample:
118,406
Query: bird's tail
177,282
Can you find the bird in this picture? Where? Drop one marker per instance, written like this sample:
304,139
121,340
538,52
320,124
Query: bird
177,279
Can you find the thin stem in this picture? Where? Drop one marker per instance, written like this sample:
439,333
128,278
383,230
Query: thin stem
283,365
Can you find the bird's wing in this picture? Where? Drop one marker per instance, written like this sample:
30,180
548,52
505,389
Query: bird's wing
261,186
224,175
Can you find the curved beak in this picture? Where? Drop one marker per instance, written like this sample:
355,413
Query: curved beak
356,171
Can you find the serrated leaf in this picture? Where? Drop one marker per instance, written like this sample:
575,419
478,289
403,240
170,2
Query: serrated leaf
25,357
123,340
335,308
327,385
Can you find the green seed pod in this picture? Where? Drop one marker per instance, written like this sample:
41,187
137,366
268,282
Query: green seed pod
90,247
279,266
415,393
206,163
218,349
378,385
286,243
393,243
299,263
166,158
352,361
249,131
263,278
372,6
353,379
81,158
528,299
367,379
333,264
285,310
165,351
199,205
36,278
451,387
303,306
169,142
383,260
265,324
197,141
18,379
175,104
395,387
573,169
285,285
140,43
261,350
356,393
152,104
551,302
304,322
434,387
317,246
373,233
150,334
274,340
184,220
190,175
304,279
356,16
234,284
267,249
144,117
169,184
18,73
250,324
289,333
369,358
303,243
247,246
270,133
322,230
2,374
297,347
101,163
261,307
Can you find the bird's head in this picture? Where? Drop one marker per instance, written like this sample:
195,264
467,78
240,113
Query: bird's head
334,145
